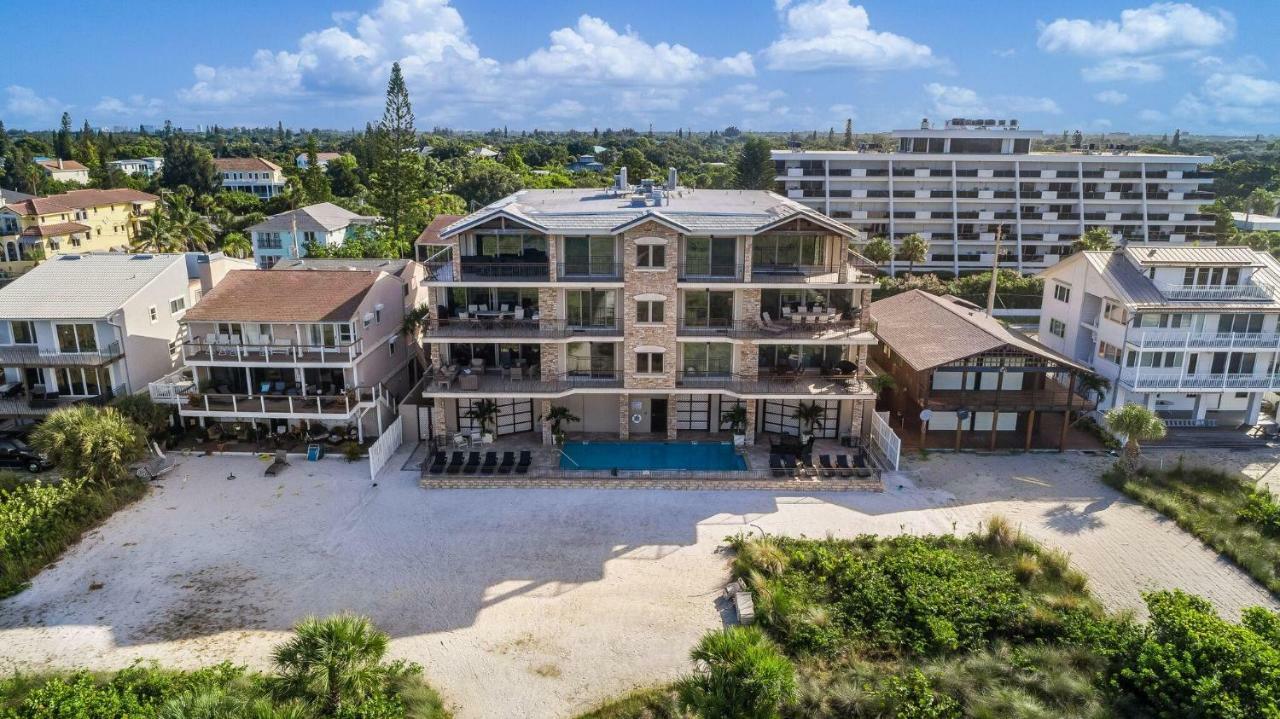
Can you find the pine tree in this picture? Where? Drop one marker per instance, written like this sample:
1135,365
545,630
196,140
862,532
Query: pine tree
315,182
848,133
398,175
62,141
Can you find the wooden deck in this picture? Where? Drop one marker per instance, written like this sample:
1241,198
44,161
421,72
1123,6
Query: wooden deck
1049,399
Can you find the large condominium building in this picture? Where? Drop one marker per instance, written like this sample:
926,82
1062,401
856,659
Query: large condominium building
1190,332
286,235
958,186
253,175
86,328
74,222
277,349
645,311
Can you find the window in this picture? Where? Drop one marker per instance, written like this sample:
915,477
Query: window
649,311
153,314
24,332
651,256
391,346
76,338
1057,328
1250,322
649,362
1061,292
177,305
1113,312
1109,352
269,241
377,314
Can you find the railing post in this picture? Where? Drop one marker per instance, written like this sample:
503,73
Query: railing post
233,403
262,403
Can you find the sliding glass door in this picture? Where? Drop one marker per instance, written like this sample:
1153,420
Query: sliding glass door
589,256
591,308
797,250
710,257
707,308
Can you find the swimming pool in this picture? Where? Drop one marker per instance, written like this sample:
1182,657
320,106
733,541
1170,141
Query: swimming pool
698,456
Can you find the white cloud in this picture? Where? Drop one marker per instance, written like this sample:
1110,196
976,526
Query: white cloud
131,106
1159,27
835,33
1006,52
23,102
564,109
1111,97
592,51
742,100
955,101
1152,116
1122,70
844,110
1241,90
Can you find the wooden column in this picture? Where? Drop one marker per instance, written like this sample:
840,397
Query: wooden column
964,383
1066,416
1031,421
995,411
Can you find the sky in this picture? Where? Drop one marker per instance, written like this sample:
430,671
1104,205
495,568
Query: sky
694,64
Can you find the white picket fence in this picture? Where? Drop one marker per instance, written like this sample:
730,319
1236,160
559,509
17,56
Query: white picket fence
386,446
884,442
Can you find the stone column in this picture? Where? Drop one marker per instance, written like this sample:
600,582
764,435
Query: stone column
550,361
748,360
455,259
750,308
547,437
624,416
437,417
435,354
750,404
855,419
746,261
553,257
549,307
672,417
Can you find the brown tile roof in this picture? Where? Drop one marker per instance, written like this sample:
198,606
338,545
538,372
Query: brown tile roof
284,296
927,331
78,200
66,165
431,235
244,164
57,229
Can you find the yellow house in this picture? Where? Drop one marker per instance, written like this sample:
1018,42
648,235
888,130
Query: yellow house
71,223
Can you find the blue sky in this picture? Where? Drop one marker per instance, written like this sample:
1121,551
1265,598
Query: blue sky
758,64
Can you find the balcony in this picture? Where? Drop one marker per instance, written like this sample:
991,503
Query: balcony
1183,339
803,385
589,272
800,274
40,404
1215,293
298,406
503,384
512,329
34,356
1140,378
282,352
712,273
483,268
830,331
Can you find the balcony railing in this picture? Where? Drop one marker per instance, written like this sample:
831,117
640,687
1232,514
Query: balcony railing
1174,339
589,271
34,356
1138,378
714,273
802,384
478,268
832,330
494,328
783,274
280,352
502,383
298,405
1211,293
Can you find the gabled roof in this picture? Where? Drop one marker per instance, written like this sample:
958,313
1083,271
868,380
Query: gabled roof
62,165
57,229
1193,256
1133,287
88,286
244,164
928,331
431,235
323,216
10,196
78,200
284,296
608,211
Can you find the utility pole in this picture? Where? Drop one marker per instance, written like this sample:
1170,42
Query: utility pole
995,272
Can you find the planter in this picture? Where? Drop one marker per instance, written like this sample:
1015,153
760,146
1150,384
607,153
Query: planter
739,440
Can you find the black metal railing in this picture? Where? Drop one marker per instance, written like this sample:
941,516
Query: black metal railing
710,273
588,271
508,327
809,328
477,268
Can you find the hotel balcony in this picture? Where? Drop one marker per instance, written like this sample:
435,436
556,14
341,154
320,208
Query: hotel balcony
1215,293
1184,339
282,352
514,383
1139,378
836,330
589,272
511,330
264,406
791,385
33,356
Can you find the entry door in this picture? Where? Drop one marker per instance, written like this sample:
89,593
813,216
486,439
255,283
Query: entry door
658,415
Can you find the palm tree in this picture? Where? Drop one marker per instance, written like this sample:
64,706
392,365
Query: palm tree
174,227
913,249
1259,201
741,674
1095,383
878,251
85,441
330,662
736,418
236,244
1135,423
155,234
1094,238
558,415
483,412
809,416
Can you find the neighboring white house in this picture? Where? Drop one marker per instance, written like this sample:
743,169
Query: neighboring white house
322,159
1190,332
485,152
145,166
323,223
65,170
1251,221
254,175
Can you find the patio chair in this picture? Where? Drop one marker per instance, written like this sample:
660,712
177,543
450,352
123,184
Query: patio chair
526,459
842,464
789,465
776,466
437,463
460,440
828,469
455,463
766,323
473,463
278,464
508,463
490,463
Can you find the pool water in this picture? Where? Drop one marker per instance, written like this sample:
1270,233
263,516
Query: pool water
700,456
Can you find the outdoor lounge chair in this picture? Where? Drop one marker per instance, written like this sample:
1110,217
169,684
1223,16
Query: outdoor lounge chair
776,466
157,466
473,463
842,464
828,469
455,463
526,459
789,464
508,463
490,463
437,463
279,464
766,322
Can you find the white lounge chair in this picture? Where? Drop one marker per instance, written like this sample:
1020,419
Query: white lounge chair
766,322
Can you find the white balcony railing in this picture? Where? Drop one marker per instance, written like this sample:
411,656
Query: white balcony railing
1178,339
1228,292
1140,379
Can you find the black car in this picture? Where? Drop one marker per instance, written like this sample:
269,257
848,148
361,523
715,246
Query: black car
16,453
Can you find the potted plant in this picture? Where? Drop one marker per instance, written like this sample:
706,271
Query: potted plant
557,415
736,418
483,412
810,417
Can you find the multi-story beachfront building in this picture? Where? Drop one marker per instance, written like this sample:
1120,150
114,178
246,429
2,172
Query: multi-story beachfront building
254,175
958,186
75,222
1190,332
646,311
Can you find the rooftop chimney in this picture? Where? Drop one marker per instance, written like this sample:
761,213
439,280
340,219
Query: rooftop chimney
622,178
673,179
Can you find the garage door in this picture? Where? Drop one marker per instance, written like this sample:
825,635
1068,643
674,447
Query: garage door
514,415
693,412
777,417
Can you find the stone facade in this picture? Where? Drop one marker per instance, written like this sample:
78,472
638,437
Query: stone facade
549,357
624,416
672,417
650,282
545,408
751,420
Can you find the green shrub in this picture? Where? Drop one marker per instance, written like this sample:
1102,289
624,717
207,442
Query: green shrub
1190,662
741,675
1261,508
